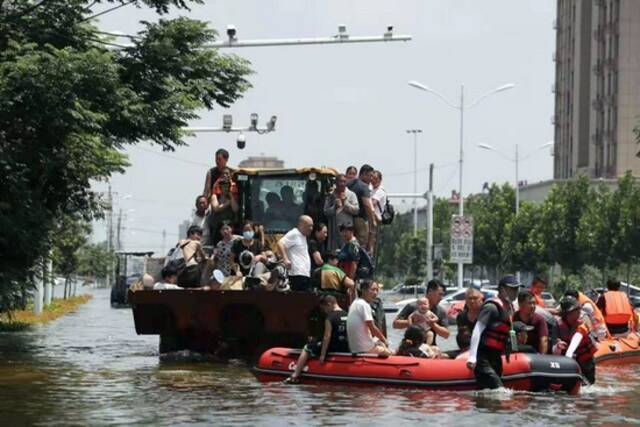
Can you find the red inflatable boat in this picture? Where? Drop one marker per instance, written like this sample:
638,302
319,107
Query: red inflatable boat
530,372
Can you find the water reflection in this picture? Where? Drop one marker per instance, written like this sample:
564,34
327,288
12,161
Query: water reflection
91,368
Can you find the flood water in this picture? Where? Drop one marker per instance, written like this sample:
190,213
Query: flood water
90,367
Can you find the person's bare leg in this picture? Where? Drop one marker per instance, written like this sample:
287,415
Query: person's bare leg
300,364
429,337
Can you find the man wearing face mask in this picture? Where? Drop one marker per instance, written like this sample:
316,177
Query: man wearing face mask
493,335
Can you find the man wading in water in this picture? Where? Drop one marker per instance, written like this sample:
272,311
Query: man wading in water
491,335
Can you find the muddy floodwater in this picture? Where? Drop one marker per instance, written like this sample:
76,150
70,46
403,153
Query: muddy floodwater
90,367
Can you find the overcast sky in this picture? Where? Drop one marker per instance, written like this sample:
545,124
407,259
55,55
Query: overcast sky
351,104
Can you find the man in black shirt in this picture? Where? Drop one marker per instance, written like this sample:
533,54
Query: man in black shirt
435,292
365,220
222,157
493,334
334,339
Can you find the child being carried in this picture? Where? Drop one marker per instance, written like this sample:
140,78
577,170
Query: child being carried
423,318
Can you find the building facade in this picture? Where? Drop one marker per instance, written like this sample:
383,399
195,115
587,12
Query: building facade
597,88
261,162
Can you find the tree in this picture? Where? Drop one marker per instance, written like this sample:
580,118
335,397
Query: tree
626,201
596,233
523,246
94,259
71,102
491,213
70,234
562,211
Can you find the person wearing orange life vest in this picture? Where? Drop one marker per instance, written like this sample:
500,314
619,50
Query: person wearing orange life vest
618,312
538,285
574,338
591,314
493,334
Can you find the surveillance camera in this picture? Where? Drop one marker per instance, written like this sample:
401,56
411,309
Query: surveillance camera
271,124
231,31
227,122
389,32
241,141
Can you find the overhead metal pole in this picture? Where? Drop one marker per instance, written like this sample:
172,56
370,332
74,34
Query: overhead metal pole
517,183
460,196
415,133
430,225
307,41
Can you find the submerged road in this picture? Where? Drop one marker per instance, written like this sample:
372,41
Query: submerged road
90,368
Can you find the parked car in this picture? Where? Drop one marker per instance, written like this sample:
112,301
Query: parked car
549,300
456,302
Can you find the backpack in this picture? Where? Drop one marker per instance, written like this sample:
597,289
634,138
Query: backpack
388,213
366,266
176,258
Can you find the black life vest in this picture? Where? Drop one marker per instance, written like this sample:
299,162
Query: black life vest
338,342
496,335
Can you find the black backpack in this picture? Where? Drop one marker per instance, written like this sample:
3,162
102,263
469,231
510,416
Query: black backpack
366,265
388,213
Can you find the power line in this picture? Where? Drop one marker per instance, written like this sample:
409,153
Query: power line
179,159
104,12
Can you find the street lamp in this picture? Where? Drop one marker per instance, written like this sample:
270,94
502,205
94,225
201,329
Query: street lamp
516,160
415,133
460,107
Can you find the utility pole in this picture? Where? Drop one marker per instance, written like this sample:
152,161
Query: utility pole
164,241
415,133
109,234
430,225
118,230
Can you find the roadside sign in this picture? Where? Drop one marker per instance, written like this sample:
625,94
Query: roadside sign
461,240
437,251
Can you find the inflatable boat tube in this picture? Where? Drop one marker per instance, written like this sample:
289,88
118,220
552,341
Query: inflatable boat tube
623,349
529,372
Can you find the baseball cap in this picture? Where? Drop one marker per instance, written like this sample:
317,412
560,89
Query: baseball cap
509,280
217,275
519,326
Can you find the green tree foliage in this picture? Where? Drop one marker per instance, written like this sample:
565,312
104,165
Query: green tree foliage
95,260
71,102
523,246
626,200
559,220
596,233
491,213
69,235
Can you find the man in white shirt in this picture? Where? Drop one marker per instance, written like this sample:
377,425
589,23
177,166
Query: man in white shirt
379,201
201,217
294,251
169,279
362,333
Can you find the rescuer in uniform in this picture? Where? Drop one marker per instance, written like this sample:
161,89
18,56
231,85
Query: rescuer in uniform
493,335
574,338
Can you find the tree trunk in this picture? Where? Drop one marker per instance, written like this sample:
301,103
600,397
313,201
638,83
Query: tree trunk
66,286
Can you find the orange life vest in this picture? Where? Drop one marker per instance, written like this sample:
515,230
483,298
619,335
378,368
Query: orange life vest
583,299
617,309
586,349
496,335
539,301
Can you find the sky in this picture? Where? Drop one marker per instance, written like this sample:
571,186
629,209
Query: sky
339,105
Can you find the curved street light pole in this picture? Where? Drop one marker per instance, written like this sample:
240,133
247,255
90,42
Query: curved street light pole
516,160
461,107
